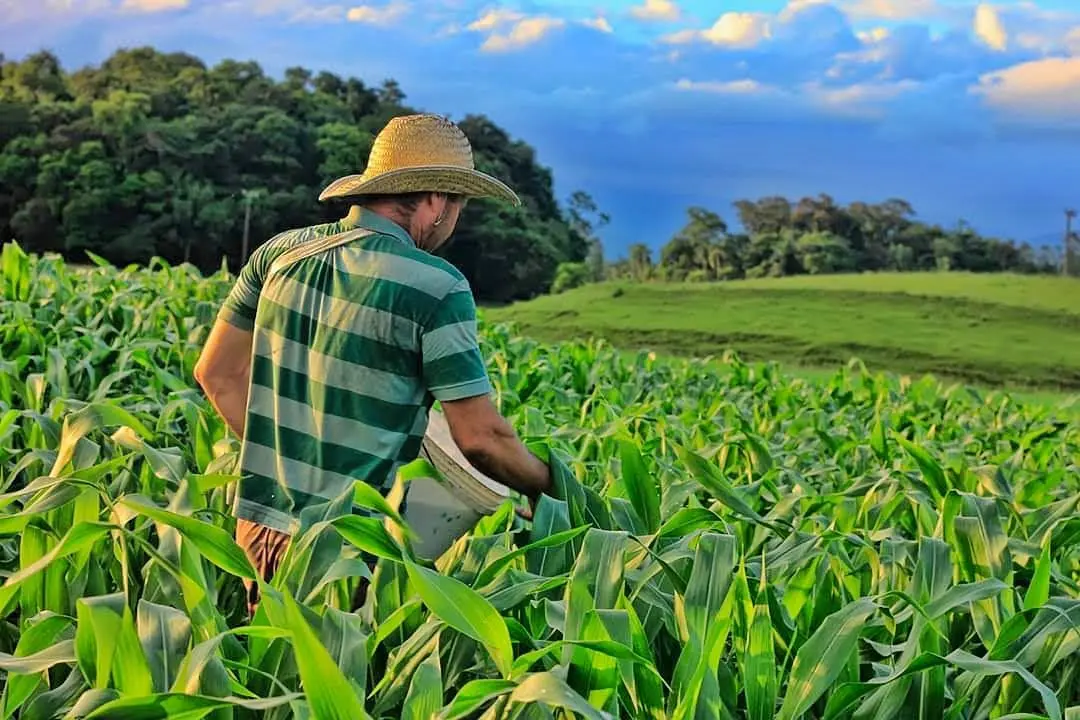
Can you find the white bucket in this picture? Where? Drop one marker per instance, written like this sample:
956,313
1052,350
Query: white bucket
441,511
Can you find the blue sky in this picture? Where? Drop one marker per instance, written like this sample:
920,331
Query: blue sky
968,110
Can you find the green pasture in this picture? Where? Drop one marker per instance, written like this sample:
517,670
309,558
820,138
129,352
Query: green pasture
990,331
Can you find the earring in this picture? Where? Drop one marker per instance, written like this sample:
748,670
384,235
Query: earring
438,221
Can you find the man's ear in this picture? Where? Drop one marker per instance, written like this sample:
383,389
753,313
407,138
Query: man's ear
440,204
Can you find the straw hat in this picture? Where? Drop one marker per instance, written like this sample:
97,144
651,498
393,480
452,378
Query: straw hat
420,153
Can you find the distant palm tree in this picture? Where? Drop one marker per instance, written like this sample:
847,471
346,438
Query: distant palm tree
1070,239
249,196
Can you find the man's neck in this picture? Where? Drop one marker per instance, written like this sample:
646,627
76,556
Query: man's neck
384,211
352,219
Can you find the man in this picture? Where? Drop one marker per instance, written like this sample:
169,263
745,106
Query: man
336,338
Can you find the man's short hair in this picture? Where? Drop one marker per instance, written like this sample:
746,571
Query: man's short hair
406,201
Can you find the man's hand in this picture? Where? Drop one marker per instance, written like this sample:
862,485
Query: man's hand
224,371
527,513
489,442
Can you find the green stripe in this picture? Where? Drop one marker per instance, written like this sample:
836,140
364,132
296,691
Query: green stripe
300,328
461,391
387,244
239,316
257,512
332,400
261,499
337,373
320,455
449,340
456,307
250,505
455,369
390,267
355,315
243,299
405,301
373,441
326,484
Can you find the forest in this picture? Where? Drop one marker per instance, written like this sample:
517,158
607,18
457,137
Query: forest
816,236
157,154
153,154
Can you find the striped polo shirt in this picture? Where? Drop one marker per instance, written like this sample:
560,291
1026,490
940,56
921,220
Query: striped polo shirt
351,347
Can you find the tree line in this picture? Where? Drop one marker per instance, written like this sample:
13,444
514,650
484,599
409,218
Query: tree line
815,235
153,154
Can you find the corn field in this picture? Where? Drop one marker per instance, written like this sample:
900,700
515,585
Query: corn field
723,541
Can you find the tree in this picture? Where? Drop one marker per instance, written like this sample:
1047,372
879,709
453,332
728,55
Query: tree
641,266
585,219
825,253
570,276
700,245
767,215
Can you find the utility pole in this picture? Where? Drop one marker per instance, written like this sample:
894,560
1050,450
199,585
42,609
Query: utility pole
1066,264
249,197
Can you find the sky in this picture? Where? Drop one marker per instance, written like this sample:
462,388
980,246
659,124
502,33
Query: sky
970,111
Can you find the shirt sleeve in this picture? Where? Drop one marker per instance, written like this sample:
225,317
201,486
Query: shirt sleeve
242,302
453,367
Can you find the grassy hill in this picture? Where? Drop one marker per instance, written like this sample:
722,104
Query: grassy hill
995,330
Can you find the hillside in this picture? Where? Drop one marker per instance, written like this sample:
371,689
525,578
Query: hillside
998,330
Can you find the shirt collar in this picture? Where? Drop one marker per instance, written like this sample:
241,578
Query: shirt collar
369,220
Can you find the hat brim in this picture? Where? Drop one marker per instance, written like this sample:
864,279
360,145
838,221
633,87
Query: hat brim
427,178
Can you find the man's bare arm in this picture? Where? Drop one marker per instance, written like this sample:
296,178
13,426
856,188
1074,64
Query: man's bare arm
489,442
224,371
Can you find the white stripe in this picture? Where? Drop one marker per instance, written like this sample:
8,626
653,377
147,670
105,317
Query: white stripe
449,340
338,373
420,276
342,314
294,474
383,444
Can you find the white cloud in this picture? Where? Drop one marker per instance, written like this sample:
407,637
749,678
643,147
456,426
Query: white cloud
655,10
1072,41
1040,30
151,6
732,29
1046,89
989,28
873,36
508,30
738,30
326,13
726,87
17,11
598,23
870,100
892,9
378,15
494,19
518,33
806,26
794,7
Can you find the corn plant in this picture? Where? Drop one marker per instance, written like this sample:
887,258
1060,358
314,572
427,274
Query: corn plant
722,541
